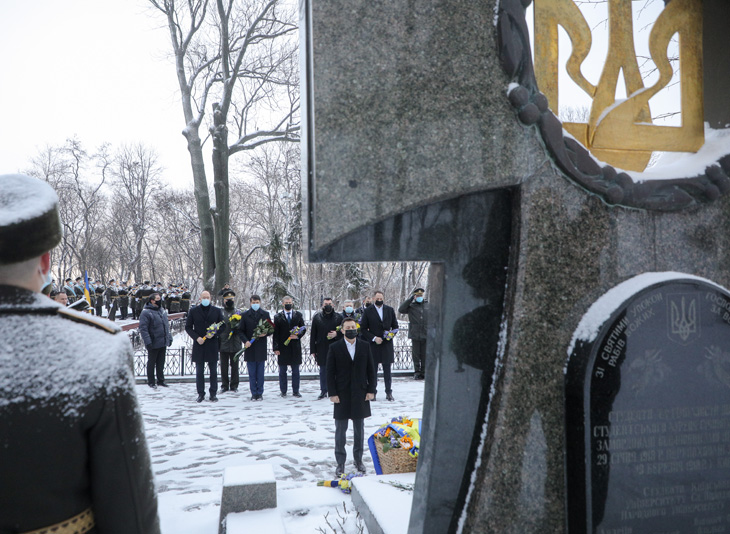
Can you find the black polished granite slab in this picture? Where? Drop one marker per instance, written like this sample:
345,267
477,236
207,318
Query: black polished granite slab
648,415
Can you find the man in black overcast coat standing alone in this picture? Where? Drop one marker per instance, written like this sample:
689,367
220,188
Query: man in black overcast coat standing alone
351,385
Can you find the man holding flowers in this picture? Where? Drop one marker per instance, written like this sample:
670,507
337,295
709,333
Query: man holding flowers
203,326
288,329
254,321
231,341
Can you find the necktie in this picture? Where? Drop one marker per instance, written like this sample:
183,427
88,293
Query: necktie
288,317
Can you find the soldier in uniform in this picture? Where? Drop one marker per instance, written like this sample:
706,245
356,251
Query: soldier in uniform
99,290
185,300
79,288
74,456
69,290
123,301
112,295
133,300
143,295
175,300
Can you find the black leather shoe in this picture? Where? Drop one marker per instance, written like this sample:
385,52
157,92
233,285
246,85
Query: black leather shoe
321,396
152,386
224,389
360,467
254,397
298,395
340,470
234,390
213,398
163,384
389,397
200,398
282,394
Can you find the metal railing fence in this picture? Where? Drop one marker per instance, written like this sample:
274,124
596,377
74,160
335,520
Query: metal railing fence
178,360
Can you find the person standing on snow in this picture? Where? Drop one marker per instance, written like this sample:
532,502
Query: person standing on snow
206,345
351,386
72,447
154,327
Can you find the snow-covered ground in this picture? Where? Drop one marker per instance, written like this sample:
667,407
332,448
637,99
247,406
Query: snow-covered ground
191,445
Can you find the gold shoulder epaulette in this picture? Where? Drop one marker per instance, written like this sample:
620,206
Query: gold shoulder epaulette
90,320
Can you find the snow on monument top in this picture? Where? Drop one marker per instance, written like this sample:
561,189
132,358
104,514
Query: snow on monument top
23,198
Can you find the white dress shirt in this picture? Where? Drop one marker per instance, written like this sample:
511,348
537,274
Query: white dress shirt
351,348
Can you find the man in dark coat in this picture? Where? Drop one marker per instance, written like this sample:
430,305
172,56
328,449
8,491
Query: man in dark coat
256,349
205,345
154,327
231,343
351,384
321,336
416,307
72,446
375,322
291,354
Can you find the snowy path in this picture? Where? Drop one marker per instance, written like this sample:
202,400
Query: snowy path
192,443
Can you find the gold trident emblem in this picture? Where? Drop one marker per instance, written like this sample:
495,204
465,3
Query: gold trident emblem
621,133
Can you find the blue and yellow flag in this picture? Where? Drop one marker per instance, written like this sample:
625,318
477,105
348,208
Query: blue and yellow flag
86,287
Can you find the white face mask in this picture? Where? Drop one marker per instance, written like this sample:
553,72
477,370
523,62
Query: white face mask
47,279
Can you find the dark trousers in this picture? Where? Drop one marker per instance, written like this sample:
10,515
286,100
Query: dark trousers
387,377
419,356
226,361
323,379
98,309
156,361
123,311
112,311
341,438
294,378
200,378
256,377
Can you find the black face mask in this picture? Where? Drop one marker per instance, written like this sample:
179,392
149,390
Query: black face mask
288,307
229,304
350,334
378,303
367,304
328,308
158,303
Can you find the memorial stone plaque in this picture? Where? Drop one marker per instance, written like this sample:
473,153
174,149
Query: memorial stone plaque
648,414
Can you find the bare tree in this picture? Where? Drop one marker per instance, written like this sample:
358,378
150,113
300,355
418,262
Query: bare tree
136,182
245,76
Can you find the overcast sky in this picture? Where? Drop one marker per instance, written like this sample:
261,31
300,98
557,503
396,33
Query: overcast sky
97,69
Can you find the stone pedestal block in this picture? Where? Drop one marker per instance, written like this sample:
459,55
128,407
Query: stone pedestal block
247,487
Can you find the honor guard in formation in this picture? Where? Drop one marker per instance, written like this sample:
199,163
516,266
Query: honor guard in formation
99,290
123,300
142,295
112,295
173,298
68,288
185,297
133,300
74,456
